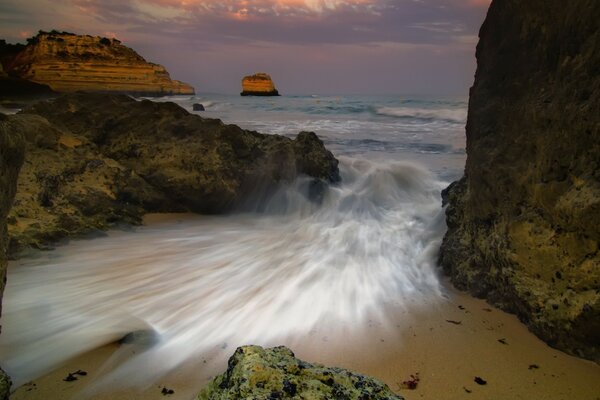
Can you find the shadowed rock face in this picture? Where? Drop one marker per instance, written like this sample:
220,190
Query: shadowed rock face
524,222
67,63
12,148
257,373
95,160
259,84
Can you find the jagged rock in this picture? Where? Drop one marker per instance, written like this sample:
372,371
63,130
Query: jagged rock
259,84
94,160
524,222
197,107
257,373
12,147
67,62
68,187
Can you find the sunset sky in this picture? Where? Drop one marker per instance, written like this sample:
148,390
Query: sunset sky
308,46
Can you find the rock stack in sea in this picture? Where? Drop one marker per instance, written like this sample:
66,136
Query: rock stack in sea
94,160
524,222
12,149
257,373
259,84
67,62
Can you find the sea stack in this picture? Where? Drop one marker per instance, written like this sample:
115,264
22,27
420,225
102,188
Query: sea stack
259,84
523,223
67,63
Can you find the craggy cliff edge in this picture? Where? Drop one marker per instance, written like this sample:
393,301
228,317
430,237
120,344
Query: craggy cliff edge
12,148
524,222
67,62
96,160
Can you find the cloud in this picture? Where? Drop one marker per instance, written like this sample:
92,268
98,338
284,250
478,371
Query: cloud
197,28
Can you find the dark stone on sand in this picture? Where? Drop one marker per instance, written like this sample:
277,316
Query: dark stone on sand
95,161
257,373
529,203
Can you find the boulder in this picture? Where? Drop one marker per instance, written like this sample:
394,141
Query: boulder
257,373
523,223
197,107
259,84
12,148
67,62
96,160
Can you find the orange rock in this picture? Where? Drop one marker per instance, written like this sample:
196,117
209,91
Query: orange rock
259,84
67,62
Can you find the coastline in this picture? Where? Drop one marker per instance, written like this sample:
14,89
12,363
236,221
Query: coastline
389,346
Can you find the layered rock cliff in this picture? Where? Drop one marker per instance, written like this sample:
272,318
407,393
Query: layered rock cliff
259,84
524,222
94,160
68,63
257,373
11,158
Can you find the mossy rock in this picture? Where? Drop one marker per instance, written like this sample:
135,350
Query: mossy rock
257,373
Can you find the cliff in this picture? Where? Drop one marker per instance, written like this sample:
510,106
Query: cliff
95,160
524,222
11,159
67,63
257,373
259,84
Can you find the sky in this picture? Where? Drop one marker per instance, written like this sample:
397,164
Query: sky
424,47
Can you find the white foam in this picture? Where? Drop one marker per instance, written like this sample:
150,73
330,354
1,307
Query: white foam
458,115
239,279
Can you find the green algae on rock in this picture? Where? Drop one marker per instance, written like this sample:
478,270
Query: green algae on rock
257,373
95,160
12,148
524,222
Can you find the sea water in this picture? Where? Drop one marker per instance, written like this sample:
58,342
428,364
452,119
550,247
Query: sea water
265,277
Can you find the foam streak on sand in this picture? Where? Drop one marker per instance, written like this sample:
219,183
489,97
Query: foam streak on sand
246,278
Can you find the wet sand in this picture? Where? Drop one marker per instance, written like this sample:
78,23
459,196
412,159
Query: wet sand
447,342
446,355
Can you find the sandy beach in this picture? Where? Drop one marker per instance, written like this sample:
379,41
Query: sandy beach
447,344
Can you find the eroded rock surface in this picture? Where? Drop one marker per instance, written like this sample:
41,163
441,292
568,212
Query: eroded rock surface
95,160
257,373
524,222
12,148
67,62
259,84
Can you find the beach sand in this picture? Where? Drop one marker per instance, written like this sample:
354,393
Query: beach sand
447,356
447,342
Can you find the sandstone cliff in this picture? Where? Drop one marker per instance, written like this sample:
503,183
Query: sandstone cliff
259,84
257,373
94,160
68,62
524,222
11,159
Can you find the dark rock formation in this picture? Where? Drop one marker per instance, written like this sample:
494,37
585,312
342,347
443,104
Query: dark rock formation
257,373
11,158
524,222
197,107
95,160
67,62
259,84
17,88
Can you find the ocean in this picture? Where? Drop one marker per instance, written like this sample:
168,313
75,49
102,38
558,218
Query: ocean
192,286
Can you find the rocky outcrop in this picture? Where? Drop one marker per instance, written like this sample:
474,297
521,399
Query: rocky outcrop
257,373
67,63
259,84
524,222
11,159
95,160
